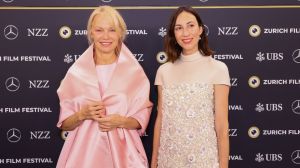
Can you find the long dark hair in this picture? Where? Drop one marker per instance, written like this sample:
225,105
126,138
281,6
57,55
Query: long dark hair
172,48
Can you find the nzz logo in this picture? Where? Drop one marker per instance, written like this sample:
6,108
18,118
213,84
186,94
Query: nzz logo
40,135
39,84
228,31
234,81
139,57
233,132
37,32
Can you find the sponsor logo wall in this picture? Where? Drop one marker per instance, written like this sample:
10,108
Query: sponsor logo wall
259,41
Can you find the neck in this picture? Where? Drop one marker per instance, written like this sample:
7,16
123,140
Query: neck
189,52
104,58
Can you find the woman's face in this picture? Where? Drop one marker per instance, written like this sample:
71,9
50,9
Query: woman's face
187,32
104,33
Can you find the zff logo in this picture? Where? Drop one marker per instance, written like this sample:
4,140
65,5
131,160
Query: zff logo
254,81
65,32
13,135
11,32
161,57
64,134
254,30
12,84
253,132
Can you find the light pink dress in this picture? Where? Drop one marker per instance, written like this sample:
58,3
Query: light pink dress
188,137
126,93
104,73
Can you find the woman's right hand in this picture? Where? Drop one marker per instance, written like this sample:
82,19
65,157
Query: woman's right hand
153,163
92,111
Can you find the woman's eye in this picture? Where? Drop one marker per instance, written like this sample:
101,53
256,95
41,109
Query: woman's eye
178,28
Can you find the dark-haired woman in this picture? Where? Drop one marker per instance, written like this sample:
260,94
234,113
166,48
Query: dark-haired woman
191,128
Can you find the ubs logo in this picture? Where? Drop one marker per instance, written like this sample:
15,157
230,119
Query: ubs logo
13,135
296,106
11,32
161,57
162,32
296,56
12,84
296,157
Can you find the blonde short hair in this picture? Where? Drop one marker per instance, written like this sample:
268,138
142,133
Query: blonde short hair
117,20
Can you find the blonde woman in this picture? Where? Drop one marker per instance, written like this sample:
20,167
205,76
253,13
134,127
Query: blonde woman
104,100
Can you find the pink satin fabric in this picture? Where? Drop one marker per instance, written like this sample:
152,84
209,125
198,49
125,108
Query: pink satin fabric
127,94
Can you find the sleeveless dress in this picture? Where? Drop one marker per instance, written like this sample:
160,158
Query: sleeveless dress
188,138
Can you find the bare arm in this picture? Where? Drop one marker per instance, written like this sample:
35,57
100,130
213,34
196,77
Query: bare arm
221,123
72,122
157,128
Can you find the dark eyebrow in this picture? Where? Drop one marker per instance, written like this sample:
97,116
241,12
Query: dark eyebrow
189,22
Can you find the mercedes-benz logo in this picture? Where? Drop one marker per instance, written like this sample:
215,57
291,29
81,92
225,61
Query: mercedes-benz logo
12,84
13,135
8,1
296,157
11,32
296,106
206,30
106,1
296,56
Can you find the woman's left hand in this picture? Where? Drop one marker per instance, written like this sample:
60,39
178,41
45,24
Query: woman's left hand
110,122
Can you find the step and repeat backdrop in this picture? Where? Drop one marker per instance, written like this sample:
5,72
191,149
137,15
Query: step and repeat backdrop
259,41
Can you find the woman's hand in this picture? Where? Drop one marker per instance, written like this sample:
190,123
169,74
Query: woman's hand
92,111
110,122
